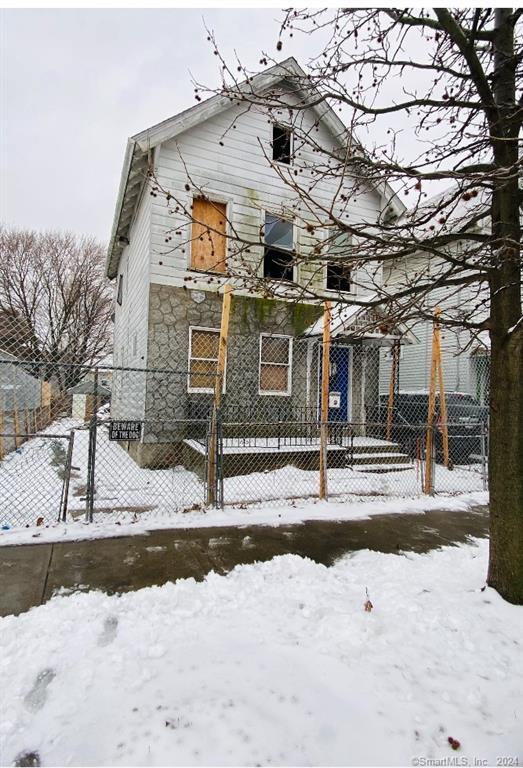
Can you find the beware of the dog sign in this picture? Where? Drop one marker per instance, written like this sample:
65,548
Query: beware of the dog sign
125,430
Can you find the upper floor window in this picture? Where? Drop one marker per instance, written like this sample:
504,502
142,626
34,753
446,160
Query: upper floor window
281,144
208,235
279,242
119,293
339,272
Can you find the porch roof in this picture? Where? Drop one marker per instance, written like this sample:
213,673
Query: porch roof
351,321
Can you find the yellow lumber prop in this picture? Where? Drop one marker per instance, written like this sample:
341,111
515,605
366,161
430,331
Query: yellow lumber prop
324,409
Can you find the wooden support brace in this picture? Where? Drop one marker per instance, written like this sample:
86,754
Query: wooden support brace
324,408
218,390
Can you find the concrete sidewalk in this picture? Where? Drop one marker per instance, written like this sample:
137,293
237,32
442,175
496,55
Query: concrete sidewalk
31,574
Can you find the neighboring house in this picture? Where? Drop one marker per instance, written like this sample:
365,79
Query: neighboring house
465,356
18,389
168,274
88,396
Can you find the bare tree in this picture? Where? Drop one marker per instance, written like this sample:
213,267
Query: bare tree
459,107
55,303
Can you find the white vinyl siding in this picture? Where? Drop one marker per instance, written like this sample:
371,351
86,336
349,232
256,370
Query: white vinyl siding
237,171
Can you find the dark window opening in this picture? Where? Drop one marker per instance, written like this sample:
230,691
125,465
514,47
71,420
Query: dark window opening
279,254
338,277
119,295
277,264
281,144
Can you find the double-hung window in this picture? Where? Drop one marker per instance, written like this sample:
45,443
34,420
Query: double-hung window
203,359
275,364
278,262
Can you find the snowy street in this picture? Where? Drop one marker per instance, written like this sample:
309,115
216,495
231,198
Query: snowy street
276,663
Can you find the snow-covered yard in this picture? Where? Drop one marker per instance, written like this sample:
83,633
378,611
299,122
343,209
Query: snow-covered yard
277,663
31,484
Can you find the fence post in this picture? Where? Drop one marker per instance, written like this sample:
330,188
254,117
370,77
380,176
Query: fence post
91,460
62,514
212,458
483,457
430,460
324,411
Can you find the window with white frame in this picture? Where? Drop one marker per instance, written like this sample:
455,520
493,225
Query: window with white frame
278,261
275,364
203,359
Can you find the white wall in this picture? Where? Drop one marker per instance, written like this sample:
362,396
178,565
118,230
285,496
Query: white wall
239,174
131,318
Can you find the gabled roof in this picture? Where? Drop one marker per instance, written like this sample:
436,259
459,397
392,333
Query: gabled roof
136,157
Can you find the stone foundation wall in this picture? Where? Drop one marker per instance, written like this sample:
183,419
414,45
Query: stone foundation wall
173,310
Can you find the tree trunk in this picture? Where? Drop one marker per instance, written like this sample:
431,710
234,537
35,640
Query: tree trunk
506,370
506,466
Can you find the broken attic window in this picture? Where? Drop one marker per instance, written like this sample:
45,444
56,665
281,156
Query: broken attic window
278,256
339,272
281,144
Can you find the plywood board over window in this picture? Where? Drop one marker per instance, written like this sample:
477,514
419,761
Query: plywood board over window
208,237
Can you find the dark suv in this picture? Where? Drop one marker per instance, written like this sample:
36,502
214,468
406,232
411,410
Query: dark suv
466,421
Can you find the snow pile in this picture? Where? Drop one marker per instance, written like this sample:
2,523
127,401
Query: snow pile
276,663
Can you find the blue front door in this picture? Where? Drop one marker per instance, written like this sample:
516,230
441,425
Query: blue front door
339,383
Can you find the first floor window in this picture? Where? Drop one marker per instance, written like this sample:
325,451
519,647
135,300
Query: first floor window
275,365
279,254
203,359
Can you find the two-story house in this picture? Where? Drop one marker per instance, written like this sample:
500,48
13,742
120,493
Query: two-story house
195,189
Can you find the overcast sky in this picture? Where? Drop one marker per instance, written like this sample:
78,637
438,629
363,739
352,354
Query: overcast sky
76,83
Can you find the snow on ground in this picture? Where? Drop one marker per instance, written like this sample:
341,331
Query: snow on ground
294,512
276,663
31,488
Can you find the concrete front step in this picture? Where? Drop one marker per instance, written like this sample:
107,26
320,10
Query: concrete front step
382,468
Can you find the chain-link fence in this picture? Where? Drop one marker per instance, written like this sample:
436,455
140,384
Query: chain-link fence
123,443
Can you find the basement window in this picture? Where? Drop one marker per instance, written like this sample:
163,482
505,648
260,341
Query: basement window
279,254
281,144
275,364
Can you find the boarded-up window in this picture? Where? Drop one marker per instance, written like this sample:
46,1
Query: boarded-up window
208,236
275,365
203,359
